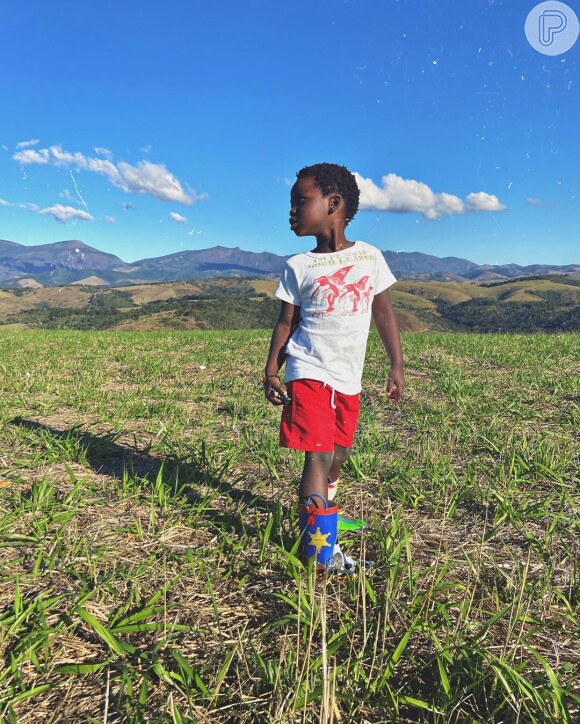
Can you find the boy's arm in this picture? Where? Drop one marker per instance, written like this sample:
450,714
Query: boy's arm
388,329
282,331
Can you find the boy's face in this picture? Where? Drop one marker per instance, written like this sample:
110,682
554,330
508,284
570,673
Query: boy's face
310,211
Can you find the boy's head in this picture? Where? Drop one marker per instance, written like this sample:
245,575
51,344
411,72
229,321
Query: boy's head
334,179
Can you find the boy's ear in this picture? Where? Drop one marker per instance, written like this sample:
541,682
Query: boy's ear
334,202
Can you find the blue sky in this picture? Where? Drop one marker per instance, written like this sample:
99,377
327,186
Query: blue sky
147,128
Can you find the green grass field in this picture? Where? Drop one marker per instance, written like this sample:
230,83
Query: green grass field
148,567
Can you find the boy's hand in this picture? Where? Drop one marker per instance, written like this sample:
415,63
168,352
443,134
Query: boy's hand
274,391
395,384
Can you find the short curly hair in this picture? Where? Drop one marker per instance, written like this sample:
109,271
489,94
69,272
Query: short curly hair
334,179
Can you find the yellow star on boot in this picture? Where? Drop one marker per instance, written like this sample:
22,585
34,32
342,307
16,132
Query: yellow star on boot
318,540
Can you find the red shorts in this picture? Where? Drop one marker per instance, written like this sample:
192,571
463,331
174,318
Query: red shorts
318,418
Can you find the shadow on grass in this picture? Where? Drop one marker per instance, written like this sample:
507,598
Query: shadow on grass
180,477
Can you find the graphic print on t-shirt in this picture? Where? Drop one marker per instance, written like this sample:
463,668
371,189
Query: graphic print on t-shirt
353,297
355,294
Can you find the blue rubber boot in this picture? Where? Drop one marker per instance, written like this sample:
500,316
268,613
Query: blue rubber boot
318,527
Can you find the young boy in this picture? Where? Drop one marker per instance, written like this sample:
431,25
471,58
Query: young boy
328,296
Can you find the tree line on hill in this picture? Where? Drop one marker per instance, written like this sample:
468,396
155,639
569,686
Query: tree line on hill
492,315
236,305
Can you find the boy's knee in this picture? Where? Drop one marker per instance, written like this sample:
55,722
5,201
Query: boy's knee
341,454
324,459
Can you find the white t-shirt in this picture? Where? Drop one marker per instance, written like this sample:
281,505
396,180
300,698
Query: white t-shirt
335,294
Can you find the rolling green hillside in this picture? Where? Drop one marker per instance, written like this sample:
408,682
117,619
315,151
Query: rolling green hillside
550,303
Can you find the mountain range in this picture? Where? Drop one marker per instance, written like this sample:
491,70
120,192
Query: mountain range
74,262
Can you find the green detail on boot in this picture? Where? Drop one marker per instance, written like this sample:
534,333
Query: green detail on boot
351,525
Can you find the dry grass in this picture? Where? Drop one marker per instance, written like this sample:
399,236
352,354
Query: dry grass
145,293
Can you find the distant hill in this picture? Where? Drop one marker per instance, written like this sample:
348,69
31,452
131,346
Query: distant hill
219,261
415,265
43,262
73,261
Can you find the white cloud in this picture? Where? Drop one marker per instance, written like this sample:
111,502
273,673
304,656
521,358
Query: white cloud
533,201
57,157
64,213
29,206
155,180
177,217
481,201
110,220
27,157
28,144
100,151
65,194
146,149
152,179
404,196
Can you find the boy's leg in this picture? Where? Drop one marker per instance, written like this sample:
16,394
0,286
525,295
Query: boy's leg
339,457
318,517
315,474
310,422
353,525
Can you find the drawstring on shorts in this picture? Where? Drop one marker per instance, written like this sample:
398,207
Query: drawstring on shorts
332,402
